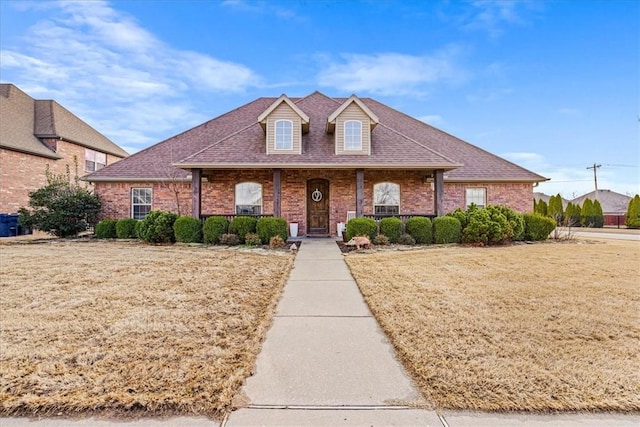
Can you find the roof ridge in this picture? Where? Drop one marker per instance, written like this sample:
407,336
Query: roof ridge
417,143
313,93
217,142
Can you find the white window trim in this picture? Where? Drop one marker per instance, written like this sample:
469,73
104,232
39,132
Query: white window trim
374,196
275,135
92,157
468,202
140,204
346,148
235,196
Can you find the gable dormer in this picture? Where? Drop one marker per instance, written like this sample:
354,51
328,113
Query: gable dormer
283,123
352,124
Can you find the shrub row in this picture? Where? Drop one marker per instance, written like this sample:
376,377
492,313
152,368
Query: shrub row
486,226
167,227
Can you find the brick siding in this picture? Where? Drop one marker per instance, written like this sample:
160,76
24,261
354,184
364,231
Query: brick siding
21,173
218,194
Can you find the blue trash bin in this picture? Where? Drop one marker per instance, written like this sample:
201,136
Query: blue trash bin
4,225
13,224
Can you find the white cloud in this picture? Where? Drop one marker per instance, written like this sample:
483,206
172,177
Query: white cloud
262,7
493,16
90,57
391,73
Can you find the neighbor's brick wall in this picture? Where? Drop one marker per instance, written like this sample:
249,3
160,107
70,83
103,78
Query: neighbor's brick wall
22,173
219,192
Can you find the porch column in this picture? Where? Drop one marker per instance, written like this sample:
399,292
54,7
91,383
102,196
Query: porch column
196,192
359,192
438,197
276,193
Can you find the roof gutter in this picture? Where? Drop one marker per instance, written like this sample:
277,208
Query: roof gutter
218,166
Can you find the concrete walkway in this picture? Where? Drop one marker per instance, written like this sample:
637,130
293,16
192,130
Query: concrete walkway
325,361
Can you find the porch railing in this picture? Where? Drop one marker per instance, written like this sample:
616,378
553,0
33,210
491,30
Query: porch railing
403,217
230,217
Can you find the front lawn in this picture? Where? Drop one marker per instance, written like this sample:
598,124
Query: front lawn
125,327
544,327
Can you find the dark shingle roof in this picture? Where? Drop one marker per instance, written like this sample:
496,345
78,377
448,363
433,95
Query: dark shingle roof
236,140
25,120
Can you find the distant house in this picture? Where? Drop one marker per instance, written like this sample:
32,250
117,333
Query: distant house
38,133
614,205
541,196
314,161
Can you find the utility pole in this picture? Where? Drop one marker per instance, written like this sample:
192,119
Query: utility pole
595,177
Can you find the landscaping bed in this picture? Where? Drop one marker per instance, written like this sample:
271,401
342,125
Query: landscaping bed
543,327
124,327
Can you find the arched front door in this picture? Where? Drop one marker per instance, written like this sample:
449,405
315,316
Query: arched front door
318,207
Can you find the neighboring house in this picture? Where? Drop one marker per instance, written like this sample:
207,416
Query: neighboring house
38,133
313,161
614,205
541,196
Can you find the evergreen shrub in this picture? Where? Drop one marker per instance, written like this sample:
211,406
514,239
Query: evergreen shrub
447,229
213,228
243,225
362,227
538,227
267,227
106,229
421,229
188,230
157,227
391,227
633,213
126,228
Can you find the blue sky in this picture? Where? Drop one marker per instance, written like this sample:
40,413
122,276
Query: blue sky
550,85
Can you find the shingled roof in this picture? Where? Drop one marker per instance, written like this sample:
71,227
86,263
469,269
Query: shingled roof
25,120
236,140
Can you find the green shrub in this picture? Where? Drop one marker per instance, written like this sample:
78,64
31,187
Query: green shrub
461,216
267,227
126,228
157,227
493,225
362,227
538,227
391,227
188,230
598,215
106,229
276,242
243,225
541,208
632,219
381,240
555,209
229,239
406,239
446,229
213,228
252,239
515,221
572,215
421,229
138,229
588,214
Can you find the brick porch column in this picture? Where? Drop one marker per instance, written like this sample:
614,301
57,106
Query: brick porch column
276,193
438,197
359,192
196,192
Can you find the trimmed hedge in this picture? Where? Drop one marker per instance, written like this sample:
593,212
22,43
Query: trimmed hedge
391,227
106,229
126,228
538,227
243,225
188,230
446,229
421,229
268,227
213,228
157,227
362,227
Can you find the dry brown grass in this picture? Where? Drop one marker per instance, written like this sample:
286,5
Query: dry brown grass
130,328
542,327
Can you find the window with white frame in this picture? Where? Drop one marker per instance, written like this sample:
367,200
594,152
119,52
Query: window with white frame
353,135
386,199
94,160
141,202
248,198
284,135
477,196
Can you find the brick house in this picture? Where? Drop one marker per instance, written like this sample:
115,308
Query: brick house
314,161
38,133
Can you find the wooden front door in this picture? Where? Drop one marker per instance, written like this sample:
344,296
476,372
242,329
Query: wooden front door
318,207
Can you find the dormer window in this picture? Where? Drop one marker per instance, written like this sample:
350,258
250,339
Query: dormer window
283,135
353,135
